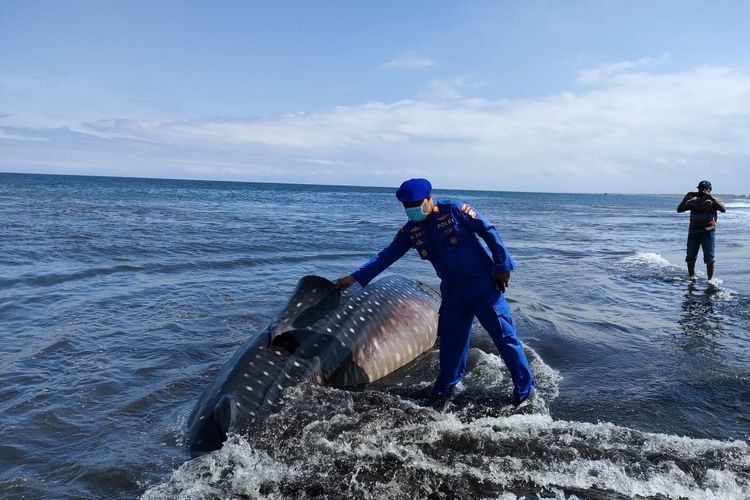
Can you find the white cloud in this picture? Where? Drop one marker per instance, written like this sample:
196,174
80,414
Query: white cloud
639,132
452,88
607,71
54,102
8,134
409,60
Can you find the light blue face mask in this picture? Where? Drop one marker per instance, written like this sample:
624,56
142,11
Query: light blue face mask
415,214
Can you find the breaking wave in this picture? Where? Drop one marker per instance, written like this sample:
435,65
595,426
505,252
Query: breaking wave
388,442
336,444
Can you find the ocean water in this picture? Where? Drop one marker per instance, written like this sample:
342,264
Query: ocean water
121,298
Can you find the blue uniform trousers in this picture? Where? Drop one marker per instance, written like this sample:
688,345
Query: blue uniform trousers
454,329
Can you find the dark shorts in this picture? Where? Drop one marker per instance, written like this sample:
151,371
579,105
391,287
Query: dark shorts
701,238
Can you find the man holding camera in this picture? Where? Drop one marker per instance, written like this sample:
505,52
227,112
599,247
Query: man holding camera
702,233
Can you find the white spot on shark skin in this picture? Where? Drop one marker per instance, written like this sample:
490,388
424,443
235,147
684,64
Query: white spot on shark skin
265,373
246,375
252,413
369,310
377,303
202,418
350,306
351,330
238,404
249,388
299,304
362,319
280,388
270,362
329,330
296,364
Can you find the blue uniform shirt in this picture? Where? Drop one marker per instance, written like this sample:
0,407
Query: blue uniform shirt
449,240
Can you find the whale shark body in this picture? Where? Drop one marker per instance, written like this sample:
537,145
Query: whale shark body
320,336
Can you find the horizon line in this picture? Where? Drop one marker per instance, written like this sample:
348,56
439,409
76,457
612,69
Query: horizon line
346,185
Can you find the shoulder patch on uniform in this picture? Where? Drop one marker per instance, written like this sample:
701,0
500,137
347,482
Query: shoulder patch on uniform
465,208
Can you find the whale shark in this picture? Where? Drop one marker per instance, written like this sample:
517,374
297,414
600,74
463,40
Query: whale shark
321,336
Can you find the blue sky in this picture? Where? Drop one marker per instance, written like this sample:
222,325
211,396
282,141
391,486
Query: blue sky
572,96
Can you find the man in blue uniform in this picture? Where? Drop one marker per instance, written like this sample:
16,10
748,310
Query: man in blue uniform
702,233
473,282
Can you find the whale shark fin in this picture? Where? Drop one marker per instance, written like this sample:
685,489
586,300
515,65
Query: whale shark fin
313,299
318,309
225,414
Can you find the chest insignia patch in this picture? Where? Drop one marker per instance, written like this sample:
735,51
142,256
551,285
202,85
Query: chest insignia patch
424,252
442,223
453,240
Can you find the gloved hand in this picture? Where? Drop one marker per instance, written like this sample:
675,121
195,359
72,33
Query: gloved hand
501,281
345,282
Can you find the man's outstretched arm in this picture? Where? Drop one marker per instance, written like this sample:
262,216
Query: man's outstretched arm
378,263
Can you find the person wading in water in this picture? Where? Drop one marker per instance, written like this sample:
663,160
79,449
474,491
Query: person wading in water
702,233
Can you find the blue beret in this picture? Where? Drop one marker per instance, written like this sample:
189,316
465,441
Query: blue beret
414,190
